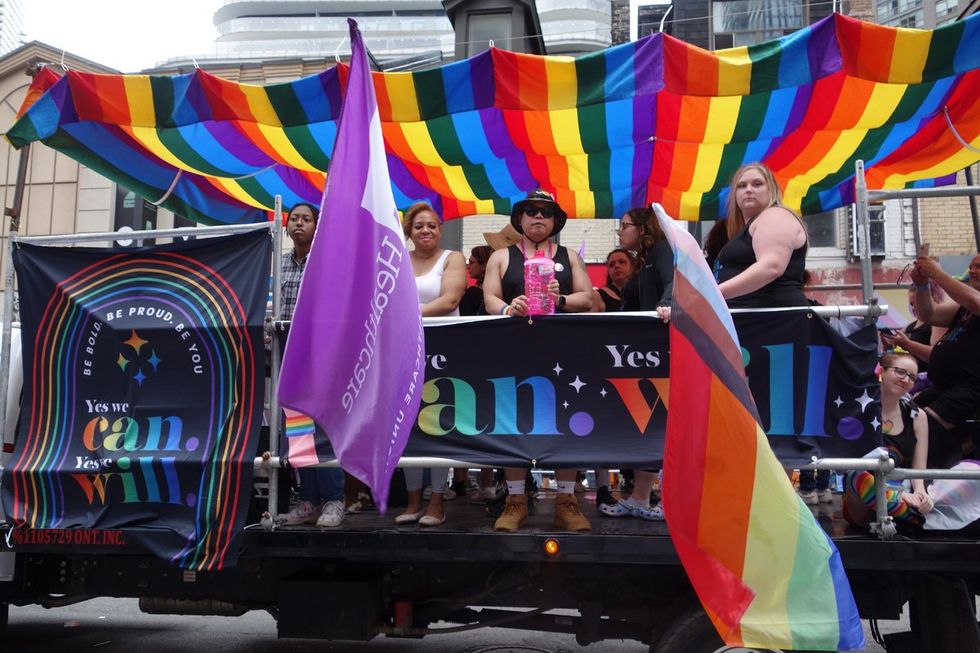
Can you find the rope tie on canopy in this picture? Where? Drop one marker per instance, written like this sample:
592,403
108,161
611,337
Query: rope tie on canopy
173,185
252,174
949,123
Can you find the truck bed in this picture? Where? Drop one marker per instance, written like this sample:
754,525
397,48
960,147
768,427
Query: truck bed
468,535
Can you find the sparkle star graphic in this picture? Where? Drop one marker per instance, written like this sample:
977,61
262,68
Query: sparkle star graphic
603,392
564,404
136,342
122,362
875,423
578,384
140,377
838,402
864,400
557,369
153,360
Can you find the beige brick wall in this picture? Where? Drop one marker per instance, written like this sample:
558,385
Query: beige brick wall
599,235
946,224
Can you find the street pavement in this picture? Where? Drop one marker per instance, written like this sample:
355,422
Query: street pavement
117,625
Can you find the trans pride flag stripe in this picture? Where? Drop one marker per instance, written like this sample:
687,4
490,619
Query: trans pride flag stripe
766,573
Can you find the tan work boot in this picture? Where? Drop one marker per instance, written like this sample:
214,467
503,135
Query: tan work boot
568,515
515,512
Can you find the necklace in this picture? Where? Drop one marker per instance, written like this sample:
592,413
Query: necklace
538,252
887,426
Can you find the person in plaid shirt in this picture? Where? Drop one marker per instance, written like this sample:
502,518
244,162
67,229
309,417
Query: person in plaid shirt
321,491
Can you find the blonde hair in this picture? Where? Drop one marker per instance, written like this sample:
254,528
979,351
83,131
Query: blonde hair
735,221
413,211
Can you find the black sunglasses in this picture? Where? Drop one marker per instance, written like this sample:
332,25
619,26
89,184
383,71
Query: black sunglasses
546,211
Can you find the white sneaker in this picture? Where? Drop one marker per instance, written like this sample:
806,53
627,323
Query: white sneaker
331,515
825,496
483,495
809,498
304,512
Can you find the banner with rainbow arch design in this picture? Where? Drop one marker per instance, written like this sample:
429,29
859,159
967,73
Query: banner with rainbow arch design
143,385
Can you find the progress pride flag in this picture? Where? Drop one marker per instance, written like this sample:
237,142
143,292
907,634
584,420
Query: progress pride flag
353,361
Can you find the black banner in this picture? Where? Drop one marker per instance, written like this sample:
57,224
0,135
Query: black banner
143,376
586,392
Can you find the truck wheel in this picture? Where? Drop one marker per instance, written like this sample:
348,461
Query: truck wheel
691,632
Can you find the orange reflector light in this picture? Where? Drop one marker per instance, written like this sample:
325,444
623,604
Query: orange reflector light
551,547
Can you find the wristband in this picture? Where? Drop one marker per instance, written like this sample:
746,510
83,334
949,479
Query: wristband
503,309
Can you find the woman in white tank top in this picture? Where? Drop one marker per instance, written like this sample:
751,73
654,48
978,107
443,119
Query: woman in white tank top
440,275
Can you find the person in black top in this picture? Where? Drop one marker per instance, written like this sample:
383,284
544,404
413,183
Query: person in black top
472,302
619,269
918,337
763,262
954,367
905,433
651,287
537,218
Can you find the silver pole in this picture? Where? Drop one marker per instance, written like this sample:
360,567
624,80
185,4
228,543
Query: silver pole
916,232
943,191
8,286
110,236
274,416
884,525
864,230
968,171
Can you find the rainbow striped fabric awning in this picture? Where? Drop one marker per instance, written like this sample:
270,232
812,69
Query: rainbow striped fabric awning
656,120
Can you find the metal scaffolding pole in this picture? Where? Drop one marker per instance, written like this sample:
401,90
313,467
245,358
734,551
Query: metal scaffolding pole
13,212
973,208
864,230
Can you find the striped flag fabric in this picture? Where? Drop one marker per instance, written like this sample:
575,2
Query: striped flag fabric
653,120
767,575
353,360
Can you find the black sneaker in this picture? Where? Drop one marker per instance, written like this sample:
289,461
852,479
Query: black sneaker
604,497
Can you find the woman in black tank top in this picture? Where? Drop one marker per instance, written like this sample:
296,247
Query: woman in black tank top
763,262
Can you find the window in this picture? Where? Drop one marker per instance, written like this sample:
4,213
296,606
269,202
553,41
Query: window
821,229
876,224
747,22
483,28
913,20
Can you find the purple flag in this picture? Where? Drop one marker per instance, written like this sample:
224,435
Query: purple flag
353,361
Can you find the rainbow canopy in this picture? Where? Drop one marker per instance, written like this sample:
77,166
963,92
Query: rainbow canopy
653,120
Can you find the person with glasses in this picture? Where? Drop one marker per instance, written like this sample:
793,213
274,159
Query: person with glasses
650,289
537,218
905,434
763,261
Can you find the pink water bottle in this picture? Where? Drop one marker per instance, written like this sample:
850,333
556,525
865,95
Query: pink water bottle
538,273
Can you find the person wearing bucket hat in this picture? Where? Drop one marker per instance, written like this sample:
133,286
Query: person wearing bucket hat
537,218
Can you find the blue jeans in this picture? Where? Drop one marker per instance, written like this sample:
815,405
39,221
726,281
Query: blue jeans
814,479
319,484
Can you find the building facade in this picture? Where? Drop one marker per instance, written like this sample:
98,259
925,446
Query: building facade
11,25
392,29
